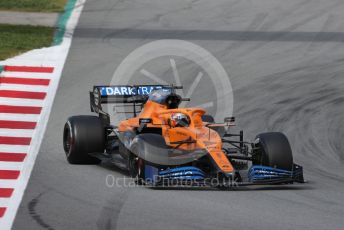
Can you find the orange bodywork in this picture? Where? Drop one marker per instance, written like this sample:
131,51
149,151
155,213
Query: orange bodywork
204,137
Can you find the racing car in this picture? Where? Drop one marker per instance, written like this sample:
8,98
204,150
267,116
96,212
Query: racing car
162,144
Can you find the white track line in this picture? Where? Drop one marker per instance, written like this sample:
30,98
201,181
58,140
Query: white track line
19,117
8,184
19,87
26,75
21,102
14,148
16,132
10,165
4,202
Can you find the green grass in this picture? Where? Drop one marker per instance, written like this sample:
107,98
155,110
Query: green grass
16,39
33,5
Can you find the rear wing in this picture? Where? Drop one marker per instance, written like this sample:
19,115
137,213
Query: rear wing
123,94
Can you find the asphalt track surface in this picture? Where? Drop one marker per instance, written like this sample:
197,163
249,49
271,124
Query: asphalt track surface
286,65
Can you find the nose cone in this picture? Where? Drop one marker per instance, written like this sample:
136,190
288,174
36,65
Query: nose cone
221,160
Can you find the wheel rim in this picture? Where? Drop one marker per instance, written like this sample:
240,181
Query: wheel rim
139,163
67,141
136,165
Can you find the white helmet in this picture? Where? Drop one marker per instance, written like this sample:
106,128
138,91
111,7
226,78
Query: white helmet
179,120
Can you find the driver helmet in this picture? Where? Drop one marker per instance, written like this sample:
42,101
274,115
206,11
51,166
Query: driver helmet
180,120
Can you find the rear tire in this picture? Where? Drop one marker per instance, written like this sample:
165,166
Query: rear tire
275,151
83,135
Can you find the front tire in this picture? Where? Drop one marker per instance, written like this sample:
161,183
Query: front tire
136,166
83,135
144,150
275,151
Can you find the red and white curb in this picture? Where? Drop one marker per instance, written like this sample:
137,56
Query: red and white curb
28,84
23,91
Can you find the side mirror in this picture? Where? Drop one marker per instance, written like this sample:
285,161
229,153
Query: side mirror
169,122
229,119
143,123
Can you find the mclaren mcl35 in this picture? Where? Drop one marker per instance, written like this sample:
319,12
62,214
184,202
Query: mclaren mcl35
162,144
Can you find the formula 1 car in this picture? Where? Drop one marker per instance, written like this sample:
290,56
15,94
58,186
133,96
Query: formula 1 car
163,144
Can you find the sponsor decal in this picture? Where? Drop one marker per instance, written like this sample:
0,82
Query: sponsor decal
127,90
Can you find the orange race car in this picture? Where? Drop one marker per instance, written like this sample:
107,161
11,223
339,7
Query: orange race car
164,145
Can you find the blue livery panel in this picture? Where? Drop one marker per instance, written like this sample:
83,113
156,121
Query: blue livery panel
258,173
126,90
